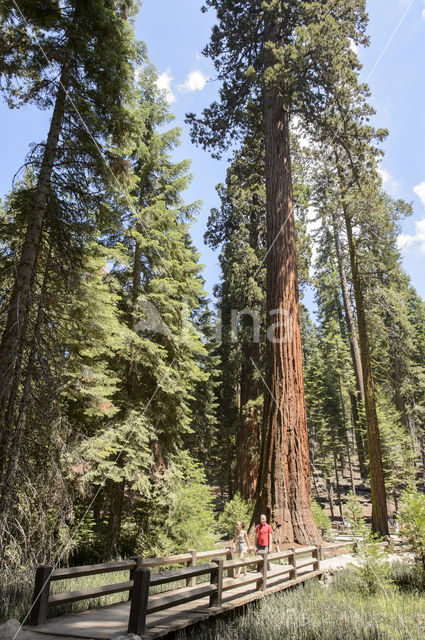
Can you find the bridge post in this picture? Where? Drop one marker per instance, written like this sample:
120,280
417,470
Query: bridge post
139,601
262,568
293,560
40,598
138,560
230,556
316,556
216,596
191,582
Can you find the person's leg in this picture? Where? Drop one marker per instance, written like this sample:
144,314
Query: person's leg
238,574
242,556
266,550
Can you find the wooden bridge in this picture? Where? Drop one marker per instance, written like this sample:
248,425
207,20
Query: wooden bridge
162,602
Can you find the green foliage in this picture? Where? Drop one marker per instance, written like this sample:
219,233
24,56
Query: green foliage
335,613
181,511
321,519
354,515
411,515
236,510
373,574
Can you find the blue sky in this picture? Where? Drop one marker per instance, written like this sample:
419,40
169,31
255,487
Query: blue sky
175,32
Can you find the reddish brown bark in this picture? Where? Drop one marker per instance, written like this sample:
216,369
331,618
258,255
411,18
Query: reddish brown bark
284,481
248,436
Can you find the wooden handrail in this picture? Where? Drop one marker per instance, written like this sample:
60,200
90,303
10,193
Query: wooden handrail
91,592
92,569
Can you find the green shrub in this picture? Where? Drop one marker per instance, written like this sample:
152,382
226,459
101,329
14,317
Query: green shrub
321,519
234,511
354,515
374,571
411,514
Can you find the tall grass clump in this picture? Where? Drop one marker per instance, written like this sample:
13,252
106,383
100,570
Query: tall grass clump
316,613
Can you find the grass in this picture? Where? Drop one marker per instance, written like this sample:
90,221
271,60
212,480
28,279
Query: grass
336,612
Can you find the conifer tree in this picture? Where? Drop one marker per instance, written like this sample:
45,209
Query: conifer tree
79,59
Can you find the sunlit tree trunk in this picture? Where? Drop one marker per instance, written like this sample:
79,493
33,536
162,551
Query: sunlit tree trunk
284,480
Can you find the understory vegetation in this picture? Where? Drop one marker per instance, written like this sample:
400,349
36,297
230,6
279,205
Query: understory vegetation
335,612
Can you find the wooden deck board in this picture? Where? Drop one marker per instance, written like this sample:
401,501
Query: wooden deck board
107,622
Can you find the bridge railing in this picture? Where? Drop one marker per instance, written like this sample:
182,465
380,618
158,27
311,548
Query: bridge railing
141,580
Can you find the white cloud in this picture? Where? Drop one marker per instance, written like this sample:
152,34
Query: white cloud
388,181
423,14
304,139
164,84
195,81
420,191
385,175
354,47
405,240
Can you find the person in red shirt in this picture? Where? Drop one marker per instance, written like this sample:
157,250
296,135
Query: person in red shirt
263,537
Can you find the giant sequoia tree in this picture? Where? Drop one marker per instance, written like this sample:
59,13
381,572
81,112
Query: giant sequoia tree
276,59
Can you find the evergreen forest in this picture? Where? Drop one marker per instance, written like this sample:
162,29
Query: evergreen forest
141,413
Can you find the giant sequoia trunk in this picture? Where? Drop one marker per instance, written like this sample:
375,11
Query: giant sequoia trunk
248,436
377,482
284,480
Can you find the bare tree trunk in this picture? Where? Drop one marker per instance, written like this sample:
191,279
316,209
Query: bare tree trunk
329,489
347,439
14,452
248,436
377,482
354,345
358,436
12,334
284,480
338,487
316,488
115,491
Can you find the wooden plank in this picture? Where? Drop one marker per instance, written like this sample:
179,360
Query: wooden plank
160,602
280,555
287,568
306,562
231,583
212,554
92,569
181,574
235,564
157,562
91,592
299,550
